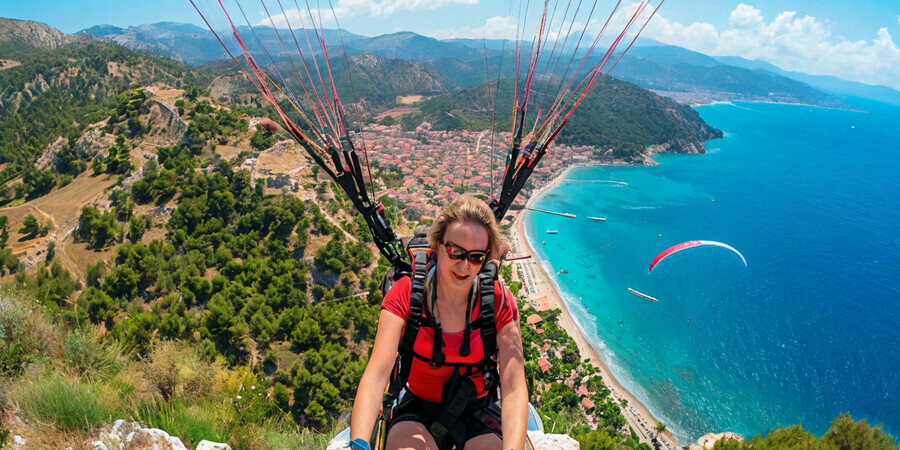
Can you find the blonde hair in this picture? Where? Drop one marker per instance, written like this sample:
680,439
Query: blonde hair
467,208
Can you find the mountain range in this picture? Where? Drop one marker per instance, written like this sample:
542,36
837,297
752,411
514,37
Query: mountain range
688,76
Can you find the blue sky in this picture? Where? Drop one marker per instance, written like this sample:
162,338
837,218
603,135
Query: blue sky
855,40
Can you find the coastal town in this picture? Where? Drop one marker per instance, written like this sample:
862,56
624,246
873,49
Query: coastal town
433,167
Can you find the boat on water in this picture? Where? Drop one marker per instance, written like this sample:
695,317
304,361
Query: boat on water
563,271
643,295
601,219
549,231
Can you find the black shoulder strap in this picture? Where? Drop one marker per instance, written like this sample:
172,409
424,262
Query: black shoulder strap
488,327
411,330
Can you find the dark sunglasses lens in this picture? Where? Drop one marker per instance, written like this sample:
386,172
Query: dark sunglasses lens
476,257
455,252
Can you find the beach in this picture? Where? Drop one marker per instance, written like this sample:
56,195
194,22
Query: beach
543,293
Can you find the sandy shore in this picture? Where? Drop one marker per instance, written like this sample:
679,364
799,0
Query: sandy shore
542,291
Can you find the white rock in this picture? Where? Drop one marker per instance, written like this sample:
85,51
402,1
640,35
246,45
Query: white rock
210,445
176,443
117,425
156,433
99,445
18,442
543,441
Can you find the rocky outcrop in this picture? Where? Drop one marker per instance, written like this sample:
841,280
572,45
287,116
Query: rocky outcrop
36,34
707,441
543,441
166,122
124,435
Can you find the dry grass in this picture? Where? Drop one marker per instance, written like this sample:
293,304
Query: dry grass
397,112
63,208
76,256
283,157
229,152
166,93
8,64
38,435
16,215
409,99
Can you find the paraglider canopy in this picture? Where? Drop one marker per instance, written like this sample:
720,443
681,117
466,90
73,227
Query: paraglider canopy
690,244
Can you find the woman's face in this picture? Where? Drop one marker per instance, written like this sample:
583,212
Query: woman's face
459,274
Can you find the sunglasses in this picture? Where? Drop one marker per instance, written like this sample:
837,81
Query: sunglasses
456,252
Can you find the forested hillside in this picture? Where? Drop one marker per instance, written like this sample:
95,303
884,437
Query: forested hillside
617,116
58,94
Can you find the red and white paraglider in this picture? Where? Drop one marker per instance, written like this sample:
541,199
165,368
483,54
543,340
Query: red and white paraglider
690,244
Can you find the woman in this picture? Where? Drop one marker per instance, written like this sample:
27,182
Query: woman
463,237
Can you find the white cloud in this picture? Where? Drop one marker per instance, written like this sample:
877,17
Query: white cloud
745,16
804,44
499,27
345,9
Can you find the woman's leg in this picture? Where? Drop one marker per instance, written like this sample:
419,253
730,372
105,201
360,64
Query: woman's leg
410,435
485,441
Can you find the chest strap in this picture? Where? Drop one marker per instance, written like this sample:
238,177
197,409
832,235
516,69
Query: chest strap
486,322
488,325
411,330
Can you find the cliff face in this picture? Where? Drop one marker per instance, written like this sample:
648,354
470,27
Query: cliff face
36,34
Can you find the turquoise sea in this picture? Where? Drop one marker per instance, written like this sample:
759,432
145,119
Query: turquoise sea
809,329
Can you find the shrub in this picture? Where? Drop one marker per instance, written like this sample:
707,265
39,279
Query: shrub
92,360
178,371
69,404
24,334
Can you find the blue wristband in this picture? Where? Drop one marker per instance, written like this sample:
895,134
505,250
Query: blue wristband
359,444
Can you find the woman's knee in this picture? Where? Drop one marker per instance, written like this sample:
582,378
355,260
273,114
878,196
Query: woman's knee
409,435
485,441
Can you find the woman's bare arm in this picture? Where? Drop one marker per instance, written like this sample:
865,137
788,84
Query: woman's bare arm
513,389
371,388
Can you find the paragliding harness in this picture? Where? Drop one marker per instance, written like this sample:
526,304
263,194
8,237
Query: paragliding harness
459,393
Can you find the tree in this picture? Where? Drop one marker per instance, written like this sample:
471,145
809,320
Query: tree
4,235
261,141
97,228
660,427
136,228
100,306
118,159
39,182
30,225
845,433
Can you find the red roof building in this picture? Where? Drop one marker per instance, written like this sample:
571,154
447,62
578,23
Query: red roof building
544,364
587,403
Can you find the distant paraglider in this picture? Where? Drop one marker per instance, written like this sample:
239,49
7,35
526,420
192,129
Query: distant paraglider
690,244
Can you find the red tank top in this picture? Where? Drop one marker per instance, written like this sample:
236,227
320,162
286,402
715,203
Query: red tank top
426,381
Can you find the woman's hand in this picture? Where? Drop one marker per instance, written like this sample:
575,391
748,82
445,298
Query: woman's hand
375,379
504,249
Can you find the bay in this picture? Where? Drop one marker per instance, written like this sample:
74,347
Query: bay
809,329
